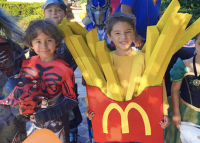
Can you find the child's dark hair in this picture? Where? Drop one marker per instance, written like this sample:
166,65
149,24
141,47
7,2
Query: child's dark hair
47,26
120,17
197,36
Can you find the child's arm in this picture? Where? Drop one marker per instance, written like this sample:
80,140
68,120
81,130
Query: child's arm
68,89
55,111
176,118
165,122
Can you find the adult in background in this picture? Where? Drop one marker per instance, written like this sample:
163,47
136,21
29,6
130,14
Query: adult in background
147,13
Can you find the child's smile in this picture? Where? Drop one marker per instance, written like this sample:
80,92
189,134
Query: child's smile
44,46
124,42
122,35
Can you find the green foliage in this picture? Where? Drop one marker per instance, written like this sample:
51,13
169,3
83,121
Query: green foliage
82,1
187,6
25,11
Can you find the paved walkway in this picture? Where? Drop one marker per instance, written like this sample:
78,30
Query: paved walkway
83,128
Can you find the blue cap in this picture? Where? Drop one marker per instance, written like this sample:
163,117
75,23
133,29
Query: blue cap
58,2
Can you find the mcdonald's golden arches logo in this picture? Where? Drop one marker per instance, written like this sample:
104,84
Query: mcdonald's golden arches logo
124,117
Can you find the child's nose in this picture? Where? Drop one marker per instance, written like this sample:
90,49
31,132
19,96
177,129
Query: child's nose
123,35
54,11
44,45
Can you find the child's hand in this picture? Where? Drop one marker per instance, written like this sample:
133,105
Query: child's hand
165,123
89,113
32,118
138,41
176,118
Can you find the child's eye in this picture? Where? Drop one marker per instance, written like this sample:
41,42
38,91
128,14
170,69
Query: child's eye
117,33
49,40
49,10
37,41
58,9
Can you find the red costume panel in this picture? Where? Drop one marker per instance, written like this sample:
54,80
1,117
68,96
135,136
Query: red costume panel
52,77
136,120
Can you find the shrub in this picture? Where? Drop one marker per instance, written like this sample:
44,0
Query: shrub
25,11
187,6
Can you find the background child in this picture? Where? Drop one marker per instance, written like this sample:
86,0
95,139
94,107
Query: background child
56,10
121,30
53,75
186,107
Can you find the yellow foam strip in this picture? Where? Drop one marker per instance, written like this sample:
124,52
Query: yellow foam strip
135,76
189,33
159,52
152,37
77,29
186,18
92,39
173,7
86,56
66,31
65,20
109,71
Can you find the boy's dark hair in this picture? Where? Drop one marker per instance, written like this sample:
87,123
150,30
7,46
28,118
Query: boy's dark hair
120,17
47,26
197,36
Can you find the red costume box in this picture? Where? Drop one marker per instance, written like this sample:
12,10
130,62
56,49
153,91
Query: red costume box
136,120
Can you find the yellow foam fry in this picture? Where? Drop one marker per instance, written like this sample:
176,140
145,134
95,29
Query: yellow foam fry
186,18
109,71
87,58
189,33
135,76
173,7
152,37
65,20
159,52
77,29
92,39
66,31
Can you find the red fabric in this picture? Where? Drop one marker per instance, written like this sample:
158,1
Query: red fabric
151,101
53,77
114,4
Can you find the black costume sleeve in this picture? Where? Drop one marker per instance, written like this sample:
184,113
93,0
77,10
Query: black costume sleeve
56,111
66,56
18,56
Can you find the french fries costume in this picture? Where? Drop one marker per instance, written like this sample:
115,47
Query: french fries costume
136,116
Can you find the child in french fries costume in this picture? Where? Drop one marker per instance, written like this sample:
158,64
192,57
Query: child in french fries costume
134,116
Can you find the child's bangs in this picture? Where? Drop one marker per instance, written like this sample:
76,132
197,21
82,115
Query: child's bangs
46,28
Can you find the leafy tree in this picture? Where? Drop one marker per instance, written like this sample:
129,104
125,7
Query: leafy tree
187,6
